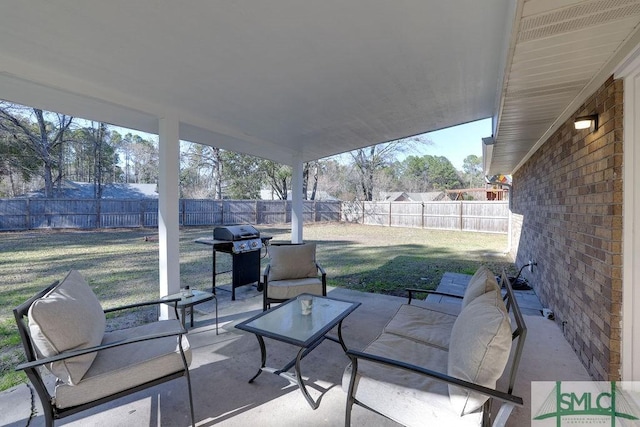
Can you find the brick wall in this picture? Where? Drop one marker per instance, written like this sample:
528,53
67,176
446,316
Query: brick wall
567,216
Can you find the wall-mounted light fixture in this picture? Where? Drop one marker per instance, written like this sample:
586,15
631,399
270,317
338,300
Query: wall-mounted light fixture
587,122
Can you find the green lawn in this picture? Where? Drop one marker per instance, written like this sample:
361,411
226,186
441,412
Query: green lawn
122,266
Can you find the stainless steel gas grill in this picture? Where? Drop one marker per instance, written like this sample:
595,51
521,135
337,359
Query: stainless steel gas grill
244,244
241,238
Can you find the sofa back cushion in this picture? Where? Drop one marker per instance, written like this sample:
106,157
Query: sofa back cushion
69,317
483,281
478,349
292,261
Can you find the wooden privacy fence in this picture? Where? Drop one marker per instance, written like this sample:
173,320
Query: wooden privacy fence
25,214
489,217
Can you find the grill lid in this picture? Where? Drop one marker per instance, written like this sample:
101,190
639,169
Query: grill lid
235,232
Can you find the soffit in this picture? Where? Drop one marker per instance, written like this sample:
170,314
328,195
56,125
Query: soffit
561,52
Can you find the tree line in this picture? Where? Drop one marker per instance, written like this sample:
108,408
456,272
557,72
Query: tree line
41,149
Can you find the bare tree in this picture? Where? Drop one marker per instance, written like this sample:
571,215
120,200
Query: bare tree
368,161
42,138
201,171
310,172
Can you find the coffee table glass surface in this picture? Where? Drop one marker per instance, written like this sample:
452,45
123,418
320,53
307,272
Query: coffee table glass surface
287,323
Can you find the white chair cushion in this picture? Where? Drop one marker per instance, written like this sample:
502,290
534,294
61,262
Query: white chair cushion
292,261
286,289
407,398
479,348
426,326
69,317
483,281
121,368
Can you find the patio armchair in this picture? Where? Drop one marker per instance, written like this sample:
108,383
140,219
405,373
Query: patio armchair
292,270
63,330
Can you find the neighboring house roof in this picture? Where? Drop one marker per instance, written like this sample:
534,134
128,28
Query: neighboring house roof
85,190
431,196
402,196
392,196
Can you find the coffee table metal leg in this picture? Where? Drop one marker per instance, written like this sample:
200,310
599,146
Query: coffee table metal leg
339,340
303,388
263,356
344,347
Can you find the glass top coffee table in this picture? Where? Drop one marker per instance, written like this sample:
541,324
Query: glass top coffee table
286,323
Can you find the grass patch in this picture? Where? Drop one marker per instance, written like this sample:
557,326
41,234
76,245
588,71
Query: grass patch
122,266
11,354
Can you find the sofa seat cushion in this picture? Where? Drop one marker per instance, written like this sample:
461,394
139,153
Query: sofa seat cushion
67,318
481,282
121,368
405,397
285,289
479,348
292,261
425,326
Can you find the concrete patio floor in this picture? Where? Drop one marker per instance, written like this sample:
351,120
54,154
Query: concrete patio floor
222,364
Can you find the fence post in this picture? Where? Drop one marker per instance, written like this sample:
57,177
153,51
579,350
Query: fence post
460,214
390,205
255,213
363,213
98,213
28,211
422,215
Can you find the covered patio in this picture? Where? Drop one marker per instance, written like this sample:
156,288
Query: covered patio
294,82
222,365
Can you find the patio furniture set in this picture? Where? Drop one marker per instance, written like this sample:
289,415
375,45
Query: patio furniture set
430,363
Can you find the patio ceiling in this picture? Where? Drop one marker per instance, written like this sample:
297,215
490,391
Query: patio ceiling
290,80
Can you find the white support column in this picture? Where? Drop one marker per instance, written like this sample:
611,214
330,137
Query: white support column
296,201
168,218
630,357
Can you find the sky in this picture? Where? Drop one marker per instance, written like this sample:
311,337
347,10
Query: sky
457,142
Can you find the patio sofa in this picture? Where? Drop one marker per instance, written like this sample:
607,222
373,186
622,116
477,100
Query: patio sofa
63,328
438,363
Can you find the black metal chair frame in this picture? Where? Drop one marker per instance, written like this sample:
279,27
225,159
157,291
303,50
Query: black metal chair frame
266,301
33,365
519,333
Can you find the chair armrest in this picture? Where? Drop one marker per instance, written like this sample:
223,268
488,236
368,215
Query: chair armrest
412,291
323,276
505,397
144,303
176,330
265,274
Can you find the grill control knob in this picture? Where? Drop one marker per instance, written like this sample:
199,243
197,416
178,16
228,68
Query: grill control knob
254,244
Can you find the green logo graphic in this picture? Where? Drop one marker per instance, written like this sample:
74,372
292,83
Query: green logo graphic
596,402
